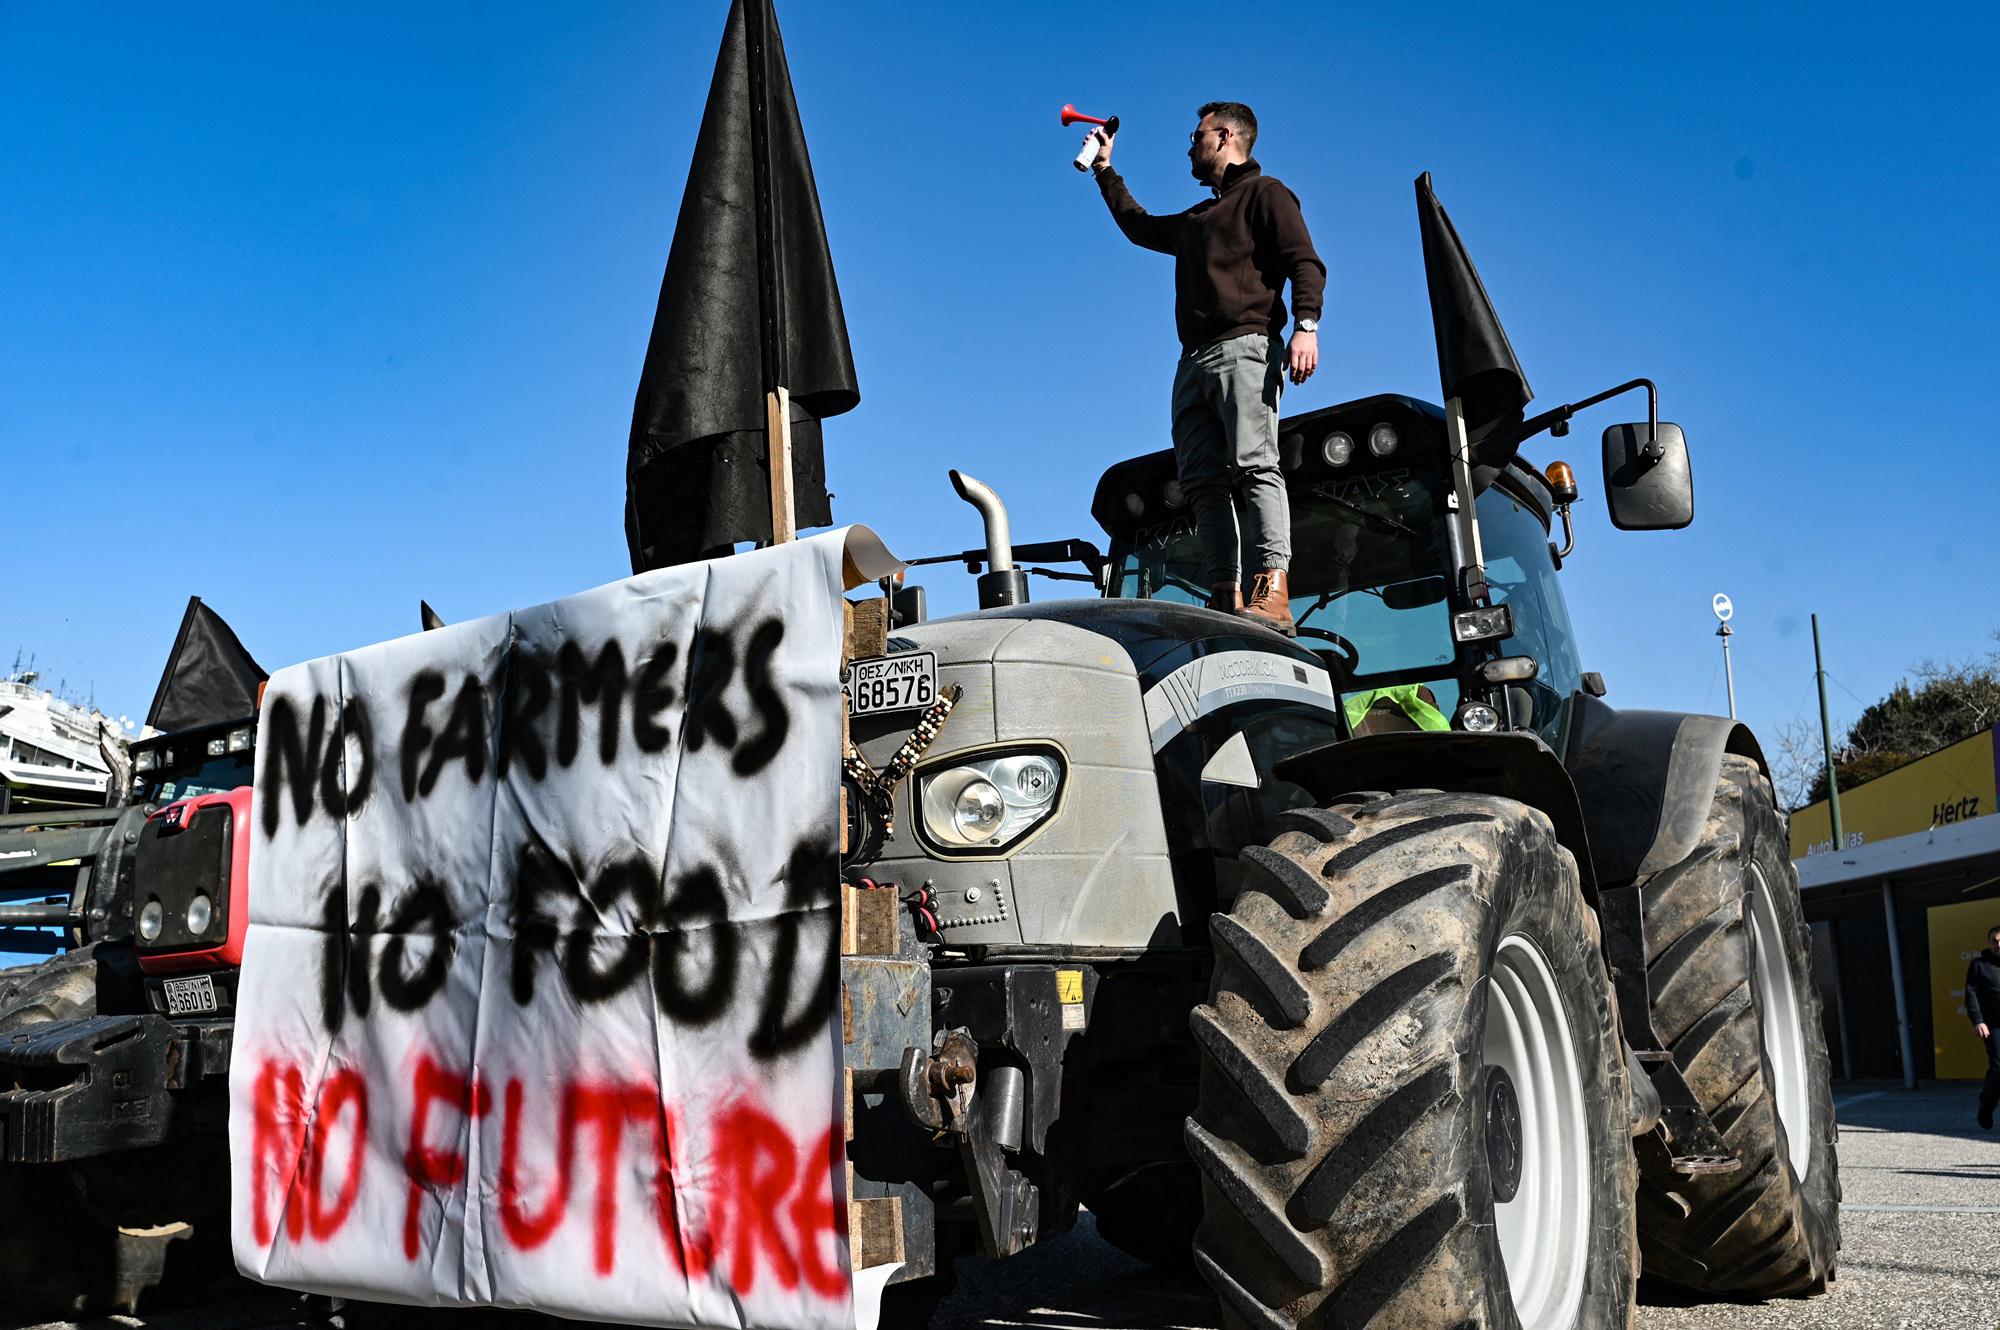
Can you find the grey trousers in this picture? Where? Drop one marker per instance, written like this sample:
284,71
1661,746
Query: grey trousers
1226,449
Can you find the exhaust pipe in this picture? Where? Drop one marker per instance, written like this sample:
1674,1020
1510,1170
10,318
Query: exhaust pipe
1002,583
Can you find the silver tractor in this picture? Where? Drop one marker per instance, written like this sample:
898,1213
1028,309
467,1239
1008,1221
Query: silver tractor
1388,973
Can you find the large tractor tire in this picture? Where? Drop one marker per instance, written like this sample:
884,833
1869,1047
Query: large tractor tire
1414,1109
61,988
1729,961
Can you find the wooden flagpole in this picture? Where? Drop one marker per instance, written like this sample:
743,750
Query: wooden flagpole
778,450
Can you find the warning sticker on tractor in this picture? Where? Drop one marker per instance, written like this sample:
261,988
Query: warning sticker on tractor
1069,992
537,1006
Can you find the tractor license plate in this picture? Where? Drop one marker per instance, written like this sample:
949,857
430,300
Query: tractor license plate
190,997
903,682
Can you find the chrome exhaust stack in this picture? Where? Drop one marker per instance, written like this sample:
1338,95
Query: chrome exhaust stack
1002,583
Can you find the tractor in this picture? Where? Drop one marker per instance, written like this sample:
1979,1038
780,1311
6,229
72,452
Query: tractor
1387,973
114,1056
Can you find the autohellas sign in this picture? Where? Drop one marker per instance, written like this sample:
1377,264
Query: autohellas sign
1951,785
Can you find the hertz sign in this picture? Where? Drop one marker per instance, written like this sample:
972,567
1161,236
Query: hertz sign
1951,785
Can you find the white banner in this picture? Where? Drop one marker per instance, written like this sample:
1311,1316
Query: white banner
538,999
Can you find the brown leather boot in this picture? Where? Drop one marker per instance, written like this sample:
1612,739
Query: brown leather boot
1227,597
1270,601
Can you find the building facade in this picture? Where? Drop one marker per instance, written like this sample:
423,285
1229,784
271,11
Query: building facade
1901,907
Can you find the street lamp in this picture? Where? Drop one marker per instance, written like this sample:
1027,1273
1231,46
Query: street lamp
1723,611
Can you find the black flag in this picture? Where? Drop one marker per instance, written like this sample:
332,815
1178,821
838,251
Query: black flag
1475,361
209,676
749,304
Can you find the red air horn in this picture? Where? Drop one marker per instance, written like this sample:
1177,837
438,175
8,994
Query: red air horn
1071,116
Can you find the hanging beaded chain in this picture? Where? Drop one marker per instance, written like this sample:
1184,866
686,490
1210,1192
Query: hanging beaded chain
880,786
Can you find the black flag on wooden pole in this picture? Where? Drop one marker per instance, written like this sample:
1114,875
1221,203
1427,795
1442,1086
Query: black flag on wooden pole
748,305
209,676
1476,362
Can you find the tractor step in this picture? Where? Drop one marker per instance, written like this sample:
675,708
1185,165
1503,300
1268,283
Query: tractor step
1686,1134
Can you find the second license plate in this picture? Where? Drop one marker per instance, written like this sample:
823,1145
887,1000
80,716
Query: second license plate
190,997
906,681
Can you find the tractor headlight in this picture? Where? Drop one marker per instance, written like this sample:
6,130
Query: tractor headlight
1482,623
1476,718
1337,448
978,811
988,804
146,760
152,918
240,740
201,913
1382,440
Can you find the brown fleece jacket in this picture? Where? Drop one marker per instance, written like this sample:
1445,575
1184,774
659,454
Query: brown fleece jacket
1232,255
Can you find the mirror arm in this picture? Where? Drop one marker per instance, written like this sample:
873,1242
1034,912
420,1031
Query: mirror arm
1082,551
1557,421
1569,536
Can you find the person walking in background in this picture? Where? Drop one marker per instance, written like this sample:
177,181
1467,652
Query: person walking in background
1233,254
1982,1004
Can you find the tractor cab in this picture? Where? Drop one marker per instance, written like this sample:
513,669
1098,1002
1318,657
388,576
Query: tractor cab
212,759
1373,572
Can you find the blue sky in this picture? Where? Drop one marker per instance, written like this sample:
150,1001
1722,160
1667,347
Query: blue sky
313,311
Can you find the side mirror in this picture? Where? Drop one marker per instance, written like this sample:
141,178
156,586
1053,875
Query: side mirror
1647,493
906,606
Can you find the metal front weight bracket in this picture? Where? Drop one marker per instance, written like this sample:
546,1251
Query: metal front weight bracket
940,1093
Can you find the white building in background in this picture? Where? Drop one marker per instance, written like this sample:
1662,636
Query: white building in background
49,754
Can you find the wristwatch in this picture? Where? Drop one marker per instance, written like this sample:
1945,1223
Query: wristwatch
1309,325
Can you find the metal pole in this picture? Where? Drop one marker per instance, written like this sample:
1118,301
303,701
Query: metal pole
1826,745
1896,977
1728,669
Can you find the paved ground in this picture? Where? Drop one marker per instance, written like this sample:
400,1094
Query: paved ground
1922,1252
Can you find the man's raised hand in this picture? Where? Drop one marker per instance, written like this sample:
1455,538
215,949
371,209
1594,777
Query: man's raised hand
1302,356
1103,142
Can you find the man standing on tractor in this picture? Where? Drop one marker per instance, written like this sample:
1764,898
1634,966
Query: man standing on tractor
1233,253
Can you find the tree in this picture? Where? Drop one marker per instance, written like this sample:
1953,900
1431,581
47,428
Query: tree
1951,700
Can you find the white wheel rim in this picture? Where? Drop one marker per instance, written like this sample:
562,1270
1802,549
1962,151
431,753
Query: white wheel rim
1783,1025
1545,1229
